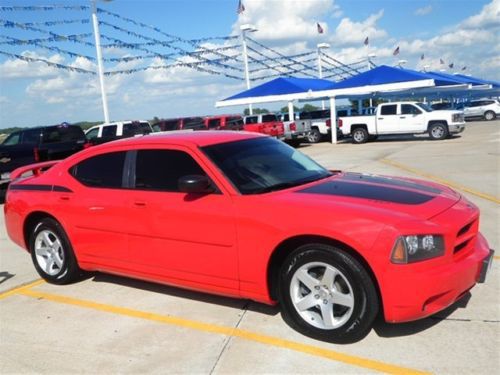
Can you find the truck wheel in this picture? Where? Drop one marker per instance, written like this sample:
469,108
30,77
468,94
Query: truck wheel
489,115
325,293
359,135
438,131
52,253
314,136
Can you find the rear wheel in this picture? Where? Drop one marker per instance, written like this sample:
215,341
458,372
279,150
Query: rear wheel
438,131
52,253
325,293
489,115
314,136
359,135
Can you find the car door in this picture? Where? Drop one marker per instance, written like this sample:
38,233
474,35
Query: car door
411,119
95,205
18,150
388,119
185,238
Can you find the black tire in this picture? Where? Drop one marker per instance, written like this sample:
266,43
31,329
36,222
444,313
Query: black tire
294,142
489,115
359,135
314,136
55,260
438,131
355,322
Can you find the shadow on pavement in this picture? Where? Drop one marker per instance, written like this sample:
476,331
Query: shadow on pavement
187,294
384,329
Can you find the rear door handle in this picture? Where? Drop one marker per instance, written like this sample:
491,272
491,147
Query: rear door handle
64,198
140,204
402,117
380,118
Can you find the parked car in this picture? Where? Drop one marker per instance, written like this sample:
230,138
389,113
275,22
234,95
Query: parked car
487,109
180,123
296,130
403,118
116,130
267,123
38,144
224,122
247,216
321,126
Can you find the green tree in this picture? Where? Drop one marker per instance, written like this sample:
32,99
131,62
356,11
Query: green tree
309,108
256,111
285,109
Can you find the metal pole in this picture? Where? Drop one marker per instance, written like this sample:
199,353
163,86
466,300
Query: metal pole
245,62
333,120
320,73
100,66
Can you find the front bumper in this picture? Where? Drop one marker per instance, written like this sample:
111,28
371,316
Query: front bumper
456,129
409,295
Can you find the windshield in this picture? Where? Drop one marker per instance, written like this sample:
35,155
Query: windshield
425,107
262,165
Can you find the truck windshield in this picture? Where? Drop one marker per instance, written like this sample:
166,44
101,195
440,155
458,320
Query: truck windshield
425,107
261,165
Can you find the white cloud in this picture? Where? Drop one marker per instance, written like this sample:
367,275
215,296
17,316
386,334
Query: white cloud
16,68
489,17
423,11
349,32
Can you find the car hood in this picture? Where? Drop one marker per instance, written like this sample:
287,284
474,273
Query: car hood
415,198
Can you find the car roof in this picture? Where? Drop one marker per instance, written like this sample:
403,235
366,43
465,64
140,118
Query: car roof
182,137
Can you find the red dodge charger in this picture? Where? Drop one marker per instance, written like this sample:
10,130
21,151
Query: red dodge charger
244,215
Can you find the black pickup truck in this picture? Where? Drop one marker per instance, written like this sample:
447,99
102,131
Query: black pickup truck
38,144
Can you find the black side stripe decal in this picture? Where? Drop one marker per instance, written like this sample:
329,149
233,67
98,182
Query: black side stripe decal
57,188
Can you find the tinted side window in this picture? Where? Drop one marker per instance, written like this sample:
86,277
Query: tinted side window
170,125
12,139
104,171
194,123
389,109
269,118
213,123
31,137
234,123
134,128
92,133
109,131
160,170
51,135
408,109
251,120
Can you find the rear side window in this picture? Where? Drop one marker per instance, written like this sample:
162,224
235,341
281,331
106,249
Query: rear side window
31,137
135,128
160,170
269,118
109,131
389,109
170,125
92,133
101,171
194,123
234,123
213,123
251,120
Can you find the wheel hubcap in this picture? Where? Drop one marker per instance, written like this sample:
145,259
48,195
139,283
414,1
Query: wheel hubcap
322,295
437,132
358,136
49,252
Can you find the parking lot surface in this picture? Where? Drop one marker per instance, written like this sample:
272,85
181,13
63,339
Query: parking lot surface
109,324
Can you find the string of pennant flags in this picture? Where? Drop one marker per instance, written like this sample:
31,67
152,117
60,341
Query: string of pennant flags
223,59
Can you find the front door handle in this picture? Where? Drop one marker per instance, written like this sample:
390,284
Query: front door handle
140,204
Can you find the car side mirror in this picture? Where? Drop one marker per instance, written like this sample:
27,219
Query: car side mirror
197,184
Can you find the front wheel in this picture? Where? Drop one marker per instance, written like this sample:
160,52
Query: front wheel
52,253
325,293
438,131
489,115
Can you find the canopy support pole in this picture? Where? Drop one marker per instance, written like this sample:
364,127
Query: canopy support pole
291,115
333,120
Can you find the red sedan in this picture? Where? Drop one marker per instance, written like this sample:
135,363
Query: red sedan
244,215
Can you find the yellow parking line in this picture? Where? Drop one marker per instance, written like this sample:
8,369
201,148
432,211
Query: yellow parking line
21,288
228,331
441,180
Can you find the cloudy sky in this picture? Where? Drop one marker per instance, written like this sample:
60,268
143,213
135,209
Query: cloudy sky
463,32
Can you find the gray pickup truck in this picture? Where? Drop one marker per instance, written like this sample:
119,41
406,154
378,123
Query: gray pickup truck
297,131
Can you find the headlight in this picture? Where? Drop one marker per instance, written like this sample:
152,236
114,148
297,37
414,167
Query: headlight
414,248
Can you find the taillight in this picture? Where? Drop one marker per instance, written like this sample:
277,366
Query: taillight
293,127
36,154
339,122
329,123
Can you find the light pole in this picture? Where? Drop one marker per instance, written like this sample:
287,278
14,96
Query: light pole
321,46
244,29
100,66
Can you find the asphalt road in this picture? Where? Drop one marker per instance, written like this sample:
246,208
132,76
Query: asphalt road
108,324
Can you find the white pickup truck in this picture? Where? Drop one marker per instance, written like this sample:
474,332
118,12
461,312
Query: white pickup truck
403,118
